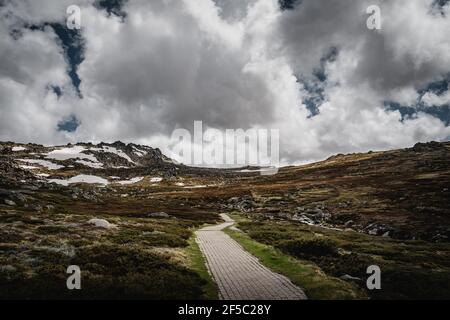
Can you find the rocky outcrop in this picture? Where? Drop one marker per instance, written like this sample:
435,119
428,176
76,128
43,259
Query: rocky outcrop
430,146
312,216
102,223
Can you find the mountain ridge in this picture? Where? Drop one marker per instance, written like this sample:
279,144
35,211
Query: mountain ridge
400,193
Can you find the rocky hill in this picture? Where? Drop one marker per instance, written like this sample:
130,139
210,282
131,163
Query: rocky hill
404,194
103,155
401,193
89,205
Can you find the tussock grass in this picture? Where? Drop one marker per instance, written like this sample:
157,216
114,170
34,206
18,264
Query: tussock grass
307,275
197,263
410,269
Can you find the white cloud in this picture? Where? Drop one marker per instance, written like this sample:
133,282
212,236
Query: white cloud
29,64
432,99
231,64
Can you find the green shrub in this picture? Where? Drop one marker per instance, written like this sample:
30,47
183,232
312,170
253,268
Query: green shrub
309,248
107,272
268,236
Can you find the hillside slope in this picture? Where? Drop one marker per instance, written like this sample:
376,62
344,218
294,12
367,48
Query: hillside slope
401,193
127,212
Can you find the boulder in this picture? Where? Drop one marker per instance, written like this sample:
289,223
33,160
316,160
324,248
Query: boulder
158,215
315,215
429,146
10,202
102,223
349,223
347,277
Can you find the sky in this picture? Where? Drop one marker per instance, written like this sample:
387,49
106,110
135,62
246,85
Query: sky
137,70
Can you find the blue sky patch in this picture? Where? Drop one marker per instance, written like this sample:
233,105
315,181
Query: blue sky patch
73,44
112,7
70,124
441,112
289,4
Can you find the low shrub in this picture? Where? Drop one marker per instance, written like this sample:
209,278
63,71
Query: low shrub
309,248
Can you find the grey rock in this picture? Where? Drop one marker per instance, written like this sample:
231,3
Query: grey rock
303,219
347,277
349,223
315,215
20,198
158,215
10,202
36,207
8,268
102,223
342,205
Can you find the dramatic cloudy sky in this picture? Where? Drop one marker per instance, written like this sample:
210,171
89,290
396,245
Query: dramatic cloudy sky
139,69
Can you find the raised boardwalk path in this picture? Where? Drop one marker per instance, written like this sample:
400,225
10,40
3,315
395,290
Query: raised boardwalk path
238,274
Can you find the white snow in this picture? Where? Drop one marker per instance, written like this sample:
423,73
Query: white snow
120,153
28,167
61,182
44,175
156,179
82,178
71,153
49,165
180,184
131,181
139,152
88,179
195,187
15,149
257,170
102,223
95,165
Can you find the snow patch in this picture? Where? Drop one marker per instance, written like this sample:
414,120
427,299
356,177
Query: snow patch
95,165
196,187
139,152
28,167
44,175
156,179
75,152
131,181
120,153
15,149
256,170
49,165
82,178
